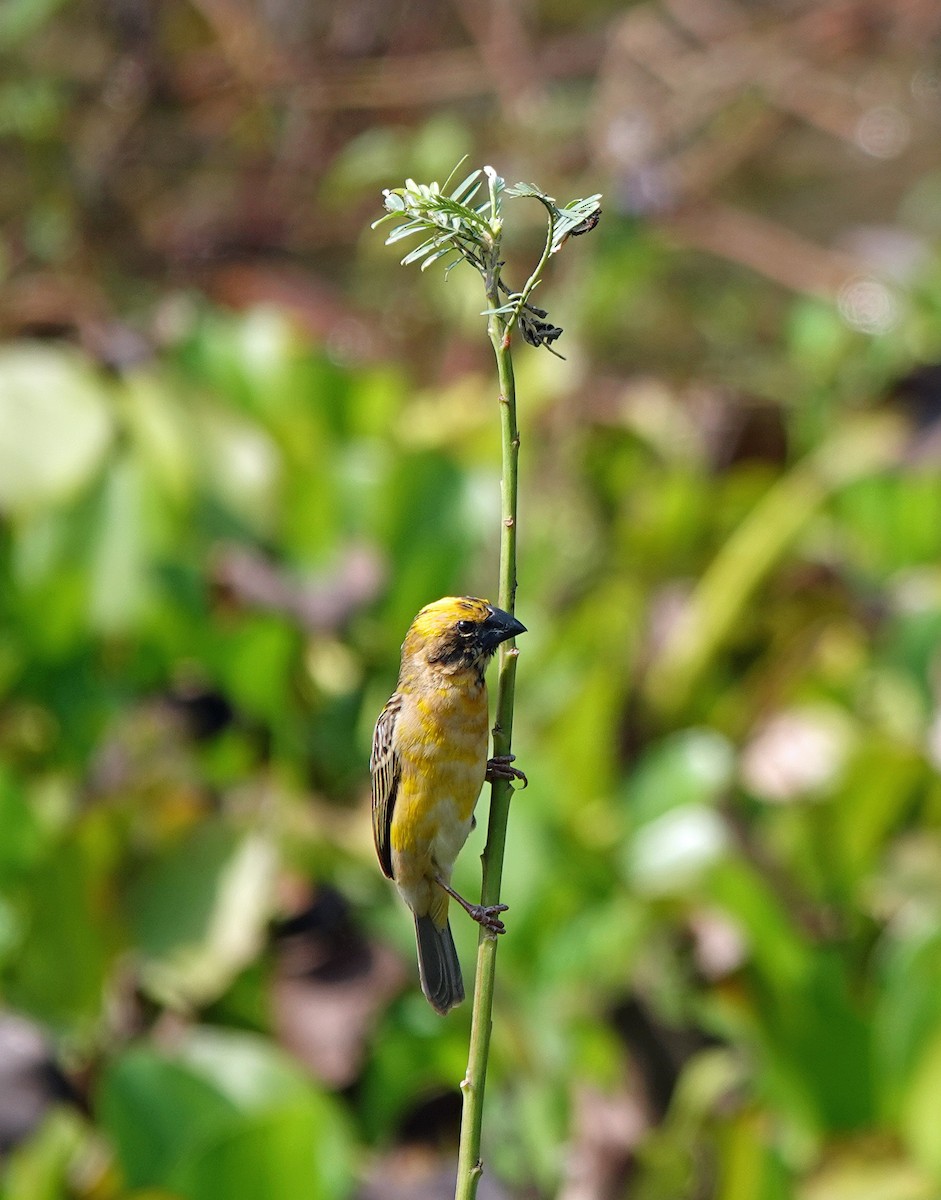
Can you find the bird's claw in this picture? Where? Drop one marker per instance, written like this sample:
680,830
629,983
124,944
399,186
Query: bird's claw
499,767
486,915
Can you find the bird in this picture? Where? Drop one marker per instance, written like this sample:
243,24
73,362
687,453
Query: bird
427,766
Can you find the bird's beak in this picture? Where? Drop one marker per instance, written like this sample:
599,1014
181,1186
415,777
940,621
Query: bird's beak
499,627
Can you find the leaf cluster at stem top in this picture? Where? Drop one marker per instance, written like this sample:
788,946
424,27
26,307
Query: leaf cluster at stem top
465,225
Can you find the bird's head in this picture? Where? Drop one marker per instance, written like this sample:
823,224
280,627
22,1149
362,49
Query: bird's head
458,633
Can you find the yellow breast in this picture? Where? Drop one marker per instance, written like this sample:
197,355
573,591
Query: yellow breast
441,742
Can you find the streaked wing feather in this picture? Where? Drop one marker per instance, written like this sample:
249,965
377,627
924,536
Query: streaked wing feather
386,771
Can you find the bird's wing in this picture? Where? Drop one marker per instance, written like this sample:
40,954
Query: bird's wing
386,771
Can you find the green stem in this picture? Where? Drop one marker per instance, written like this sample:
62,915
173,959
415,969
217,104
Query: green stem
469,1167
529,286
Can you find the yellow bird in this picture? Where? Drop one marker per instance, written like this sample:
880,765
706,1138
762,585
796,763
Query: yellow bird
428,764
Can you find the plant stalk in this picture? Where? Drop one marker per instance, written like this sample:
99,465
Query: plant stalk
527,291
454,225
469,1167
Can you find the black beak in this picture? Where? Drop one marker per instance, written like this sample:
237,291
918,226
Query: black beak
499,627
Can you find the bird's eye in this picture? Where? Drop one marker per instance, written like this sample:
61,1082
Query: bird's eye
465,627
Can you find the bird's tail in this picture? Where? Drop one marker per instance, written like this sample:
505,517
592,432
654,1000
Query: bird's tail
438,965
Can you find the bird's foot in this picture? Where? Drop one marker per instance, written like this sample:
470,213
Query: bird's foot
484,914
499,767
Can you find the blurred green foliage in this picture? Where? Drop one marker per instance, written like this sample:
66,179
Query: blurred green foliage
733,821
721,971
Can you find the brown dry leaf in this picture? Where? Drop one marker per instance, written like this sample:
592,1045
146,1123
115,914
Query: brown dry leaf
324,1007
607,1128
418,1173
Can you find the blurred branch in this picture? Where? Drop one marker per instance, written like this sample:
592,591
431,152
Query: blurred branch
689,93
765,246
245,42
401,80
704,67
506,52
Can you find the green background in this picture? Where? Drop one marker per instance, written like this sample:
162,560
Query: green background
240,447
